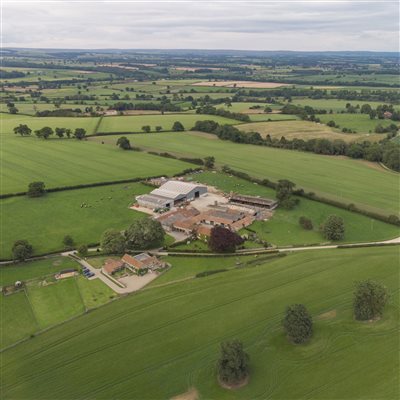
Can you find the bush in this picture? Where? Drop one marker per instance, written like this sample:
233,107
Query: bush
233,363
369,301
36,189
68,242
298,323
123,143
22,250
223,240
333,228
178,127
306,223
83,250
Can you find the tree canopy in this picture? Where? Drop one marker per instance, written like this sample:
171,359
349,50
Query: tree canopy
22,250
144,234
36,189
112,242
298,323
333,228
223,240
233,363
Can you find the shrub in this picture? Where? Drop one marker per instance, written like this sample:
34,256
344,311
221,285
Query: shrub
68,242
369,301
223,240
83,250
306,223
178,127
36,189
233,363
333,228
123,143
22,250
298,323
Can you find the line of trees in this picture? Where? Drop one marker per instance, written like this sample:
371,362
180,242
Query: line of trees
46,132
208,109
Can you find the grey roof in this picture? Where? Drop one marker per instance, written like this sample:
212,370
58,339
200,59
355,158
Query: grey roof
152,198
253,199
141,257
175,189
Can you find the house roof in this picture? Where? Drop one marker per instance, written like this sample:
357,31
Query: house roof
204,230
112,265
141,260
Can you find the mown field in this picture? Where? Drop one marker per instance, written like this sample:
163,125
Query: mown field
135,123
171,334
302,130
44,301
351,181
83,214
64,162
283,228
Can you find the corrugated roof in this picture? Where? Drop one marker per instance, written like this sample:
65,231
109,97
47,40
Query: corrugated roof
174,189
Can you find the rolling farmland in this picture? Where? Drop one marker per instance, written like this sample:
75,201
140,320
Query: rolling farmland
337,178
181,325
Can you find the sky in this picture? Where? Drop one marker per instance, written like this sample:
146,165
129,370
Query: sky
323,25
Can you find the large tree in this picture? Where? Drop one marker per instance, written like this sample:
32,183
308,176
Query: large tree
298,323
123,143
178,127
68,242
22,250
370,298
44,132
80,133
233,363
112,242
36,189
223,240
333,228
22,130
144,234
284,193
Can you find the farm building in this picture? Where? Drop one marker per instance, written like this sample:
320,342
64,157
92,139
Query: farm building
171,194
112,266
142,261
180,217
253,201
66,273
226,217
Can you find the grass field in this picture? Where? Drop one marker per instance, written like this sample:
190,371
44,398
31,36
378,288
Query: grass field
63,162
172,334
302,130
272,117
94,292
35,269
343,179
284,229
135,123
333,104
46,220
361,123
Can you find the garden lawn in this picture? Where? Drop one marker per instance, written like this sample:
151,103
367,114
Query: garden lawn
172,334
63,162
84,214
350,181
17,319
34,269
94,292
135,123
56,302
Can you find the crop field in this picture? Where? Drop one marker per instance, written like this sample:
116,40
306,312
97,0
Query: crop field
135,123
301,130
84,214
179,328
361,123
283,228
64,162
311,172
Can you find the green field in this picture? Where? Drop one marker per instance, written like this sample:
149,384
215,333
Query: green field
94,292
46,220
342,179
361,123
63,162
35,269
333,104
135,123
283,228
172,334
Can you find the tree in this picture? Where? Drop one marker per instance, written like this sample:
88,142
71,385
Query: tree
306,223
333,228
60,132
22,130
36,189
209,162
298,323
124,143
68,242
284,192
233,363
223,240
370,298
12,110
146,128
83,250
158,128
68,133
178,127
22,250
79,133
44,132
143,234
112,242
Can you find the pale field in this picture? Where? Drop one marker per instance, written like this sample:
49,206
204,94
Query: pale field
248,84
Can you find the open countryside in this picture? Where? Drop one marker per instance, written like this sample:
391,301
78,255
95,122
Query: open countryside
197,223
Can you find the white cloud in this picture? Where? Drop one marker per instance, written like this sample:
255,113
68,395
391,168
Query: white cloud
268,25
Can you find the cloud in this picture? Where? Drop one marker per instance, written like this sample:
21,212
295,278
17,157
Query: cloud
255,25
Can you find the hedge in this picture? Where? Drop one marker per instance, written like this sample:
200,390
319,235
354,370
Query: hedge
212,272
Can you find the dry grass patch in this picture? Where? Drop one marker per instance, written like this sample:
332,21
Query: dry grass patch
191,394
303,130
327,315
247,84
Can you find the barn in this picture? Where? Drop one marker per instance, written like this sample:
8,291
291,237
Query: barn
170,194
